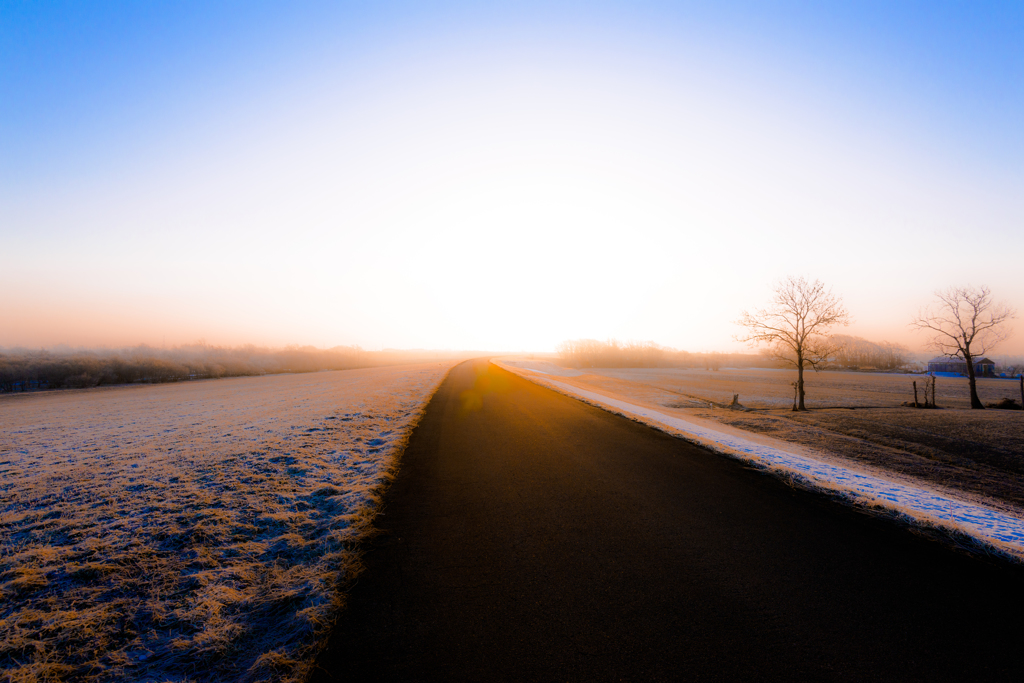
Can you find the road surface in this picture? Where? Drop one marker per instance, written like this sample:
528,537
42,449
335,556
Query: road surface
531,537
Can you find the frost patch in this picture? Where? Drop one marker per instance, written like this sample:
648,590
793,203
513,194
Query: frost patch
194,531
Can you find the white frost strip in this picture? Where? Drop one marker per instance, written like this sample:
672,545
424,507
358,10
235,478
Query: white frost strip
924,505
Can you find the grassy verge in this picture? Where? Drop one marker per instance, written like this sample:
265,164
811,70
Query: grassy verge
191,532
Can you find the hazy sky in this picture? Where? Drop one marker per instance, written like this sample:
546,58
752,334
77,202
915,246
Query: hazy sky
452,175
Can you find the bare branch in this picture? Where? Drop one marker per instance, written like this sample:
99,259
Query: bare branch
795,326
966,323
801,313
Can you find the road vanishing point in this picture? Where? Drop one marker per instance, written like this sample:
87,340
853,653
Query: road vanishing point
531,537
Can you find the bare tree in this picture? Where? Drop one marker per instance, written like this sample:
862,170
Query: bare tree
795,326
965,323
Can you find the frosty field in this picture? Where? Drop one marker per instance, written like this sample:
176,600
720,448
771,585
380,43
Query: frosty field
770,389
954,468
193,531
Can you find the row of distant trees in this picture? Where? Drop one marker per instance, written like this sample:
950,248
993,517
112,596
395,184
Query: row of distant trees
591,353
22,369
849,353
857,353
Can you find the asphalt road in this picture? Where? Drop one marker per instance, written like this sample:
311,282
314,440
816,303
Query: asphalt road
531,537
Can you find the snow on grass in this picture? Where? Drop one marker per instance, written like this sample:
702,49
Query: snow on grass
190,532
924,505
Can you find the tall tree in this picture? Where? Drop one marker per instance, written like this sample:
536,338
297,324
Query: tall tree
965,323
795,326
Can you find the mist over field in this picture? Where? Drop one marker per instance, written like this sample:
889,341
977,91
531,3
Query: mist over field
66,368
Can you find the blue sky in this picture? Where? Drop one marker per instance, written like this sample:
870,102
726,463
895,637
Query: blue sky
78,75
320,174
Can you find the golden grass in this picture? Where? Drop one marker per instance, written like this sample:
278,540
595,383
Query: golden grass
190,532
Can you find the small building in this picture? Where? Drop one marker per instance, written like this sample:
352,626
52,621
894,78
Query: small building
983,367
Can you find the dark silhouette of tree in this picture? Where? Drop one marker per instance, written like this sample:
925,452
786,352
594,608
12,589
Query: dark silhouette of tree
965,323
795,326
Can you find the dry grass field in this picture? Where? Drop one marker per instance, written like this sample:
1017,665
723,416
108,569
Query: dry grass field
190,532
852,416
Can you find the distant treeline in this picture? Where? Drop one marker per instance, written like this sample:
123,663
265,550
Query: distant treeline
857,353
852,353
25,370
590,353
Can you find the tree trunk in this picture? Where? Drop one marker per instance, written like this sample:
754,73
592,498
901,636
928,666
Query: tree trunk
975,401
800,381
915,394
